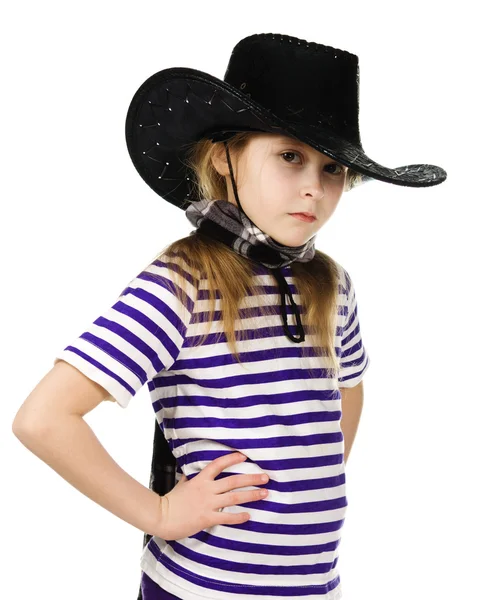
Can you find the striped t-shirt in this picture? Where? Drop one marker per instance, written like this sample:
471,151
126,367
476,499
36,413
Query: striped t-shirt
277,407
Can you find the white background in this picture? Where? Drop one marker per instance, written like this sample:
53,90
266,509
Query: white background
78,223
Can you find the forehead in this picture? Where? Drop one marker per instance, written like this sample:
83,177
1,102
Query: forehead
288,139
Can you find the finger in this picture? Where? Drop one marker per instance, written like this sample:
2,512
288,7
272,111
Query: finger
215,467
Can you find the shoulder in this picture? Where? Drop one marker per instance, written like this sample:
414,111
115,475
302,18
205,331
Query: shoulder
343,278
165,269
166,283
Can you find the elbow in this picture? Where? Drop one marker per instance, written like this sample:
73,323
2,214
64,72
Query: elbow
24,427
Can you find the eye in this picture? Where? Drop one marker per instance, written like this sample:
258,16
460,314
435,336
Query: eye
335,164
290,153
341,168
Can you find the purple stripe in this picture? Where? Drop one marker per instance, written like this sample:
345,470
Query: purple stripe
358,361
291,487
256,289
318,416
239,380
155,300
174,267
99,366
266,400
246,313
257,547
253,333
261,590
162,307
134,340
352,350
114,353
284,463
350,334
240,566
239,444
218,360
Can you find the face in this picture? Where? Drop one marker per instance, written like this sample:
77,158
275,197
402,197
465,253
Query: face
279,175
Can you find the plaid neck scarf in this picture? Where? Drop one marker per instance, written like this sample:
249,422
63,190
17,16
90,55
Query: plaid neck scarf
223,221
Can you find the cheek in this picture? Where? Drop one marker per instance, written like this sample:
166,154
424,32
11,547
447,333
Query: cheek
277,203
275,176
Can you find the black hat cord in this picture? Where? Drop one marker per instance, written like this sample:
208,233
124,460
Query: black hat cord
282,283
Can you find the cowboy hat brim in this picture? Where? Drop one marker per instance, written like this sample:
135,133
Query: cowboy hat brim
178,106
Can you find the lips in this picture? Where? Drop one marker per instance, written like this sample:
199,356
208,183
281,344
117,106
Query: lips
303,217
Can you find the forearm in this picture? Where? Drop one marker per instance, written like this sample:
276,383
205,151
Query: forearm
351,413
70,447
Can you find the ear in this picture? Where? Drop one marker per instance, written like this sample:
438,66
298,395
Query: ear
219,160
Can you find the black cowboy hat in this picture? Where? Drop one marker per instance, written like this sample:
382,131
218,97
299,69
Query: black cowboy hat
273,83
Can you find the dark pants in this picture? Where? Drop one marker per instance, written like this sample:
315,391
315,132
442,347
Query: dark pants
150,590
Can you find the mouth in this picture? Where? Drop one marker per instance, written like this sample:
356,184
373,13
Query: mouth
304,217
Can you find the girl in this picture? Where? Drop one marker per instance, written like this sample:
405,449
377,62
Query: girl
243,383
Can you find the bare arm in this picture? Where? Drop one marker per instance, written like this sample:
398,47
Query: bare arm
70,447
50,424
352,405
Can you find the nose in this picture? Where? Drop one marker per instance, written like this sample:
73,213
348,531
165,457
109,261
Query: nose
313,182
314,187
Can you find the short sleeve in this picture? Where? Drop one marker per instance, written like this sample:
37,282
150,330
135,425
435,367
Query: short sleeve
138,336
354,359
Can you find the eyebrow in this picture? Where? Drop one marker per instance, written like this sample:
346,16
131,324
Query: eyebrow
288,140
293,141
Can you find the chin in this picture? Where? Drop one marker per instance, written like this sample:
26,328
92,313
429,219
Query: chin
292,243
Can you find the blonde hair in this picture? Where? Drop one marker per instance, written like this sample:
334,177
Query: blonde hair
207,259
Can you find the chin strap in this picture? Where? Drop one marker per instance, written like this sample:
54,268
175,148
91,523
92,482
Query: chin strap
282,283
